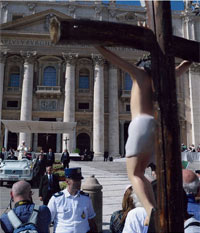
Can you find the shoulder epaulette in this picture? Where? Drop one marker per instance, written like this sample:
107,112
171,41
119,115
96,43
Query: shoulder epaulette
58,194
83,193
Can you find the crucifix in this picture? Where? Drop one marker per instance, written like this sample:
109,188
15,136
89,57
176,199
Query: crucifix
65,140
163,46
47,137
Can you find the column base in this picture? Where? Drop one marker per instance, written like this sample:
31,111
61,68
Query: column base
98,156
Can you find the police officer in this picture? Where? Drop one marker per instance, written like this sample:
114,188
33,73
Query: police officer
72,210
21,194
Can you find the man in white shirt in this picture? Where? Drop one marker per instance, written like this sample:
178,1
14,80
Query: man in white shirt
72,210
22,150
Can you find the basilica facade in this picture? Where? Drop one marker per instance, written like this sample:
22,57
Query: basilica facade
40,81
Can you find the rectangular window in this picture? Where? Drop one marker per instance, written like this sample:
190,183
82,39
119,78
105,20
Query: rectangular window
83,105
128,82
12,104
14,80
128,109
15,17
84,82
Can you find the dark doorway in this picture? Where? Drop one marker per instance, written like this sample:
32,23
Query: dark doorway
46,141
12,141
83,142
126,125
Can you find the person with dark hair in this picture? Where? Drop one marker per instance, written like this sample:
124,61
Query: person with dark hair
50,157
65,159
22,196
141,132
39,168
49,185
12,156
3,154
118,218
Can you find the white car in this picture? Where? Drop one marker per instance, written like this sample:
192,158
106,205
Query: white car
15,170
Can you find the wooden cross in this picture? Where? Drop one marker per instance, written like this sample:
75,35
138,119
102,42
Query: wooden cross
65,140
158,40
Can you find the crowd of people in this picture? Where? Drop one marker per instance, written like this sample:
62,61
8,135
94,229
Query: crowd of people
190,148
70,210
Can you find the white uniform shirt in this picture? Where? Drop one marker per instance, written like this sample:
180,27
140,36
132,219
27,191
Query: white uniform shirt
191,229
135,221
71,213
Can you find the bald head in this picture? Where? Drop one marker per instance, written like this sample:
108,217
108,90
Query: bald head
190,182
21,190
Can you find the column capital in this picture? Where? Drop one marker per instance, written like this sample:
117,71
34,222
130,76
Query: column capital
98,59
29,56
3,55
195,67
4,5
70,58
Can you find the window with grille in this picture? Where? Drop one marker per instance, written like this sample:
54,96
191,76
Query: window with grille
14,78
128,82
12,104
84,79
83,105
49,78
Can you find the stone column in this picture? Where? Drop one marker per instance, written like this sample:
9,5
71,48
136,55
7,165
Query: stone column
98,108
113,127
27,94
2,65
6,138
69,102
58,139
122,137
35,142
4,12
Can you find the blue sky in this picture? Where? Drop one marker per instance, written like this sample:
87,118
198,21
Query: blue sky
176,5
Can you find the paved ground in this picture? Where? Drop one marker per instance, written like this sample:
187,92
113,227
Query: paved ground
111,175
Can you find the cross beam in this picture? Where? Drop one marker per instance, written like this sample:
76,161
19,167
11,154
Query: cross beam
117,34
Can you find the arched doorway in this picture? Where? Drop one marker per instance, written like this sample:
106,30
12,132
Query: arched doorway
45,140
83,142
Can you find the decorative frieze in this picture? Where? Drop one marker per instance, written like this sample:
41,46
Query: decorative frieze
83,123
15,59
84,62
48,105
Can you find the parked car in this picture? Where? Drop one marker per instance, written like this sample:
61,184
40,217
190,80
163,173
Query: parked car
15,170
